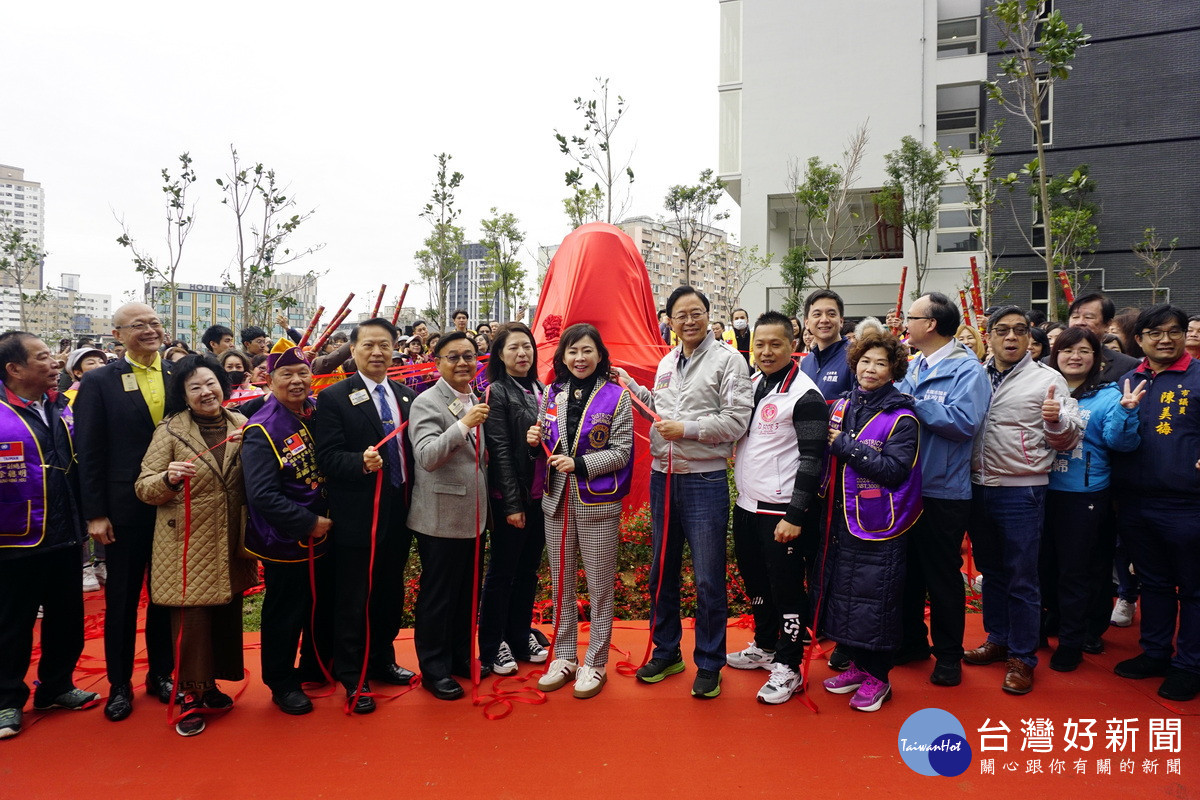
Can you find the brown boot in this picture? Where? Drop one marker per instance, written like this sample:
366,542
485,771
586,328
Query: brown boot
986,653
1019,678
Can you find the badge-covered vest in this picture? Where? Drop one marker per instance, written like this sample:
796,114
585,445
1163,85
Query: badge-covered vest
594,427
874,512
303,483
23,480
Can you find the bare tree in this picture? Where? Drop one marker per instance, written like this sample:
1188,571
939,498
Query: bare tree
982,184
1159,262
735,268
20,259
694,210
592,150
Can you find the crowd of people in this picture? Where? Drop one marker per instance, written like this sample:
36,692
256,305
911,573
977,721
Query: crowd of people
861,456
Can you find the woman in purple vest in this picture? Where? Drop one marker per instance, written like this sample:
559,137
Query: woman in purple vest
873,491
587,425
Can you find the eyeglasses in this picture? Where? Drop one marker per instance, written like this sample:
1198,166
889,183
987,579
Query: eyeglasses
457,357
138,327
1005,330
1071,351
694,316
1155,335
911,317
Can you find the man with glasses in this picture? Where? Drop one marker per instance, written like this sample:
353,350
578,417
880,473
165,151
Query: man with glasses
1032,416
951,394
116,411
702,392
255,341
352,416
1158,502
1095,312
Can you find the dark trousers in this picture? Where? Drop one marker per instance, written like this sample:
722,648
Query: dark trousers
1074,563
442,633
209,644
774,574
510,586
876,663
935,571
360,609
287,623
128,560
1163,537
49,579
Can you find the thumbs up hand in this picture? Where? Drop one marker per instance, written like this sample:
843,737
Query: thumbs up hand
1050,406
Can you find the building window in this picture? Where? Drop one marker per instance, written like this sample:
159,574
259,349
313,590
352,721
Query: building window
958,222
958,37
1047,110
958,117
1037,230
1039,297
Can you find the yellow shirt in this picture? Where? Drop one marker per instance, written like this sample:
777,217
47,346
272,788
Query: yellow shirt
150,383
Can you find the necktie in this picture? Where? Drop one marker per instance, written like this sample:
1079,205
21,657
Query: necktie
391,449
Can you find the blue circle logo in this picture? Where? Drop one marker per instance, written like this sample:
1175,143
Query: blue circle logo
933,742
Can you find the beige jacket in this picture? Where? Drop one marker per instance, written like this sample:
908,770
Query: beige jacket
215,572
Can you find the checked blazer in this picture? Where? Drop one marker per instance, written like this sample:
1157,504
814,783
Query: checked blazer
601,462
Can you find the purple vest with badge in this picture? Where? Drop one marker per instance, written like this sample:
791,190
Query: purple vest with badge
302,483
594,427
874,512
23,480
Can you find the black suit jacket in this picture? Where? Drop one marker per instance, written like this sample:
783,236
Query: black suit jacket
113,429
343,430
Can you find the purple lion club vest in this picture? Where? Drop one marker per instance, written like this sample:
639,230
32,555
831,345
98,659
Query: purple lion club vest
23,480
874,512
592,436
302,483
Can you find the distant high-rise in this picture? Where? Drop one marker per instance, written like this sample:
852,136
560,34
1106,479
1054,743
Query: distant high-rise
24,203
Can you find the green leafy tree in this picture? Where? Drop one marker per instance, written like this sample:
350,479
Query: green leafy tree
180,218
1041,48
1074,232
441,258
910,196
592,150
584,206
265,221
20,260
695,210
982,183
796,269
502,240
1157,259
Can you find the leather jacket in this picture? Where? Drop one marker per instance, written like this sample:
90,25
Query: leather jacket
510,468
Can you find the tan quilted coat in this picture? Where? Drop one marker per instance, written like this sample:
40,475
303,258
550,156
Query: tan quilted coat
215,572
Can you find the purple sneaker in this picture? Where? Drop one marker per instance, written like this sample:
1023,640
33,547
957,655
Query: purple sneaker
871,695
847,681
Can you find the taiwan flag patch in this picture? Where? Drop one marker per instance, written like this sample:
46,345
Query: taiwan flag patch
294,444
12,452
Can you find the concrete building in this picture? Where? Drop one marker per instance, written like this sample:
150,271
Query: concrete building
797,79
199,306
665,263
24,203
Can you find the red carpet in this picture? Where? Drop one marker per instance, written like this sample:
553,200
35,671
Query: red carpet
632,741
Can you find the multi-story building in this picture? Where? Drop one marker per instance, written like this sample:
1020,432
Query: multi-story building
198,306
58,312
658,242
23,203
794,83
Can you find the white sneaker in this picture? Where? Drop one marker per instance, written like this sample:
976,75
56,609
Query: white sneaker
557,674
780,687
101,572
753,657
589,681
537,653
90,582
1122,613
504,664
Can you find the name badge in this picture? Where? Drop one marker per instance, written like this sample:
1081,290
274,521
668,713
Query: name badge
129,382
359,397
456,407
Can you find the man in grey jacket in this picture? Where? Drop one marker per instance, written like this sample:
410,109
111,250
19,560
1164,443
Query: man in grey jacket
702,394
1031,417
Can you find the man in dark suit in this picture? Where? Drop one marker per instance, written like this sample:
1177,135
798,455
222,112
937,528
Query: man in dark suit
352,417
116,411
1095,312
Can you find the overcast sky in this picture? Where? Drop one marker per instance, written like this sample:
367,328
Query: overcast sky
348,102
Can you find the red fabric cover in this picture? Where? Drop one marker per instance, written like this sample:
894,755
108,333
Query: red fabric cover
598,276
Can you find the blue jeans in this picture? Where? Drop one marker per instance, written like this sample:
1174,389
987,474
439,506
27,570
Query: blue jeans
1006,535
699,513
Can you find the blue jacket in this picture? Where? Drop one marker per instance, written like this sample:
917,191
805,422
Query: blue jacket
951,401
1107,427
830,369
1164,464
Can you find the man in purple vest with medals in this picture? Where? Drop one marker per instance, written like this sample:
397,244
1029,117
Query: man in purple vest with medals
40,532
289,530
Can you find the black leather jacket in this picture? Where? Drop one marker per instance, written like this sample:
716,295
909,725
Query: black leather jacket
511,460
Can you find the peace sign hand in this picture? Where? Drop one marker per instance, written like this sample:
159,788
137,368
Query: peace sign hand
1131,399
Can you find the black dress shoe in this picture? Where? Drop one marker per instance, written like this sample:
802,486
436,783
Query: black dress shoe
294,702
394,674
120,702
946,673
160,686
1093,646
364,704
444,688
